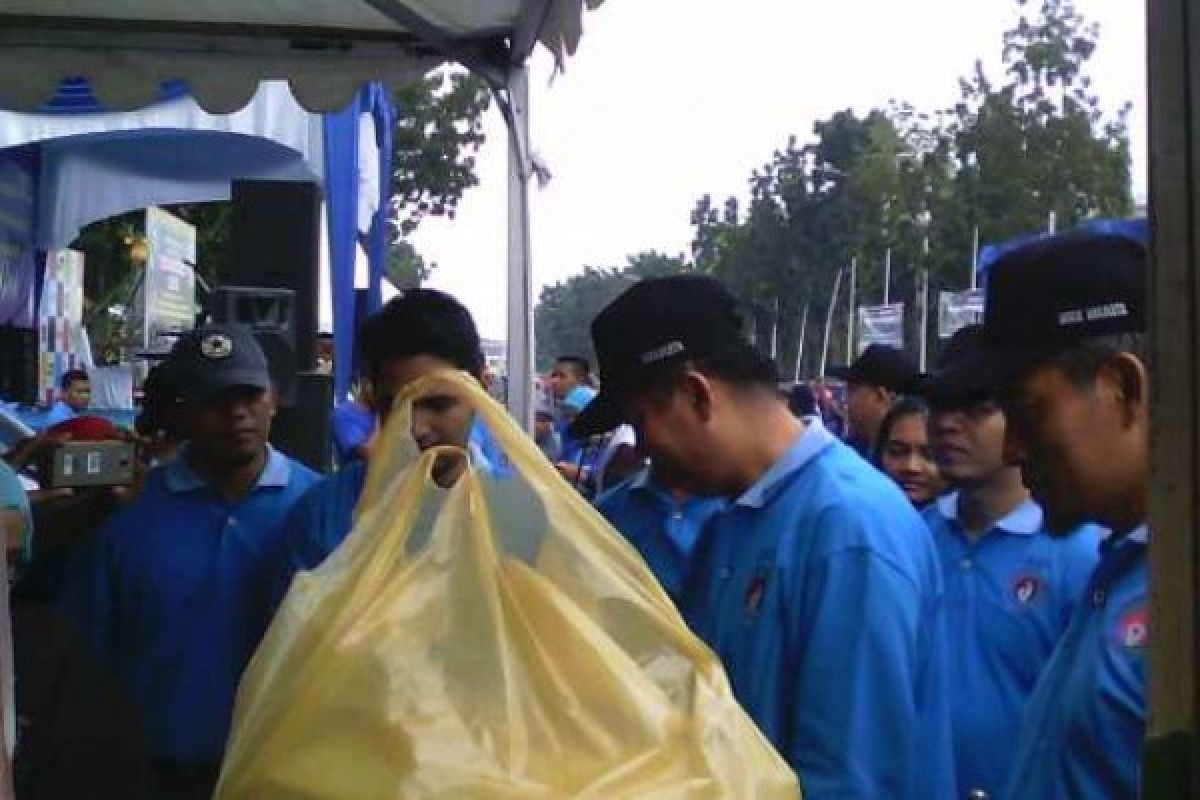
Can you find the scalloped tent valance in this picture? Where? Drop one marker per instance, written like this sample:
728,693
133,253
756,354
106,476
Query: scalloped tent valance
325,49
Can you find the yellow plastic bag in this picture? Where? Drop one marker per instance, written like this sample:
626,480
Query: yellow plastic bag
519,649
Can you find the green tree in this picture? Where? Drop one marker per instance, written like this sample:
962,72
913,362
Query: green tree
566,309
920,184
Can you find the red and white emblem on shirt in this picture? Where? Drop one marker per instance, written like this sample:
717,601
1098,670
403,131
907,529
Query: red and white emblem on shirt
1026,588
1133,630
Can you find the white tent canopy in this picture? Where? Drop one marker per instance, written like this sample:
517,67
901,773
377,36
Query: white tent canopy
325,50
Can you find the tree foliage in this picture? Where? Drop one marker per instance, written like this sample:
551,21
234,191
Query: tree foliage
1001,161
565,309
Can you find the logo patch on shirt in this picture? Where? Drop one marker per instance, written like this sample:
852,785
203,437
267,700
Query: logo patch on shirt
1026,588
1133,629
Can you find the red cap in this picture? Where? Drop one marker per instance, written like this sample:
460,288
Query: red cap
87,429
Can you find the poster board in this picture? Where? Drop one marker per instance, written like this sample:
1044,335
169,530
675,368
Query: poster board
61,343
881,325
169,288
957,310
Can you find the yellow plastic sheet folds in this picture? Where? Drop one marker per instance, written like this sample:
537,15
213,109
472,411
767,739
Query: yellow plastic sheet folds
494,640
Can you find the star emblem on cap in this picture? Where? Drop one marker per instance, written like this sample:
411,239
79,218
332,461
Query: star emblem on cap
216,346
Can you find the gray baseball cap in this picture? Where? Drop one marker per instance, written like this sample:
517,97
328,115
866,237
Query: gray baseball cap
214,358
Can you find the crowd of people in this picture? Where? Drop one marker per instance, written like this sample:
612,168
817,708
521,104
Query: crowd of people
941,593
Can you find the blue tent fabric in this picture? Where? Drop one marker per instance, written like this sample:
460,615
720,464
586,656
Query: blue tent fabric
1137,229
341,207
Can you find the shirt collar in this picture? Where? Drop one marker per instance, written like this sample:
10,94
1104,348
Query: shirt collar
1140,534
807,447
1024,520
180,477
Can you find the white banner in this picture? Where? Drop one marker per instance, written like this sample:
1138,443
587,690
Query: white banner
881,325
958,310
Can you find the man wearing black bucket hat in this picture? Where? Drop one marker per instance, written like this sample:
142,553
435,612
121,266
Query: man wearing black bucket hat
1064,324
171,592
1011,586
819,586
873,382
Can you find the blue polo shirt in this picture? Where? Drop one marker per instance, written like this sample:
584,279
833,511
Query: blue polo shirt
353,425
1081,736
1010,594
170,594
819,588
662,529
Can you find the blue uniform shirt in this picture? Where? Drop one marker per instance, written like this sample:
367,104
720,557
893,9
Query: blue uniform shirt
170,593
820,591
1081,735
353,425
663,531
1010,594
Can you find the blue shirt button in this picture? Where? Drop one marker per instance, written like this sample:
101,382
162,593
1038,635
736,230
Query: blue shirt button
965,563
724,572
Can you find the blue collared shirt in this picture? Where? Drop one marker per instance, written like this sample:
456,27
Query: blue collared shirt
353,426
1081,735
1010,594
820,591
662,529
170,594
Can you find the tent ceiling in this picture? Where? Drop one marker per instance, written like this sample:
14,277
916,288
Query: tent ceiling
326,49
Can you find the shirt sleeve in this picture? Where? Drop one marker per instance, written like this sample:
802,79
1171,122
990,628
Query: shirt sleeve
854,714
90,595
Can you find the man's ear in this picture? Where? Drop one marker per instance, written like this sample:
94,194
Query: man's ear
1125,377
699,393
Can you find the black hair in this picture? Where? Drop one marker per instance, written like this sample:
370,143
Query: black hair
160,409
70,376
421,322
579,363
1081,359
904,407
739,364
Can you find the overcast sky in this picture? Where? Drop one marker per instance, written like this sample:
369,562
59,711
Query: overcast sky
669,99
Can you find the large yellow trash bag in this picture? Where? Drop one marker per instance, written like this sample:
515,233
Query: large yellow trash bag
496,640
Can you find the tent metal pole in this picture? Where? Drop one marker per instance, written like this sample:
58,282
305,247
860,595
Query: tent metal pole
515,108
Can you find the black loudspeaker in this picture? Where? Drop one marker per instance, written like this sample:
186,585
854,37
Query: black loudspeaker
270,313
18,365
275,241
303,431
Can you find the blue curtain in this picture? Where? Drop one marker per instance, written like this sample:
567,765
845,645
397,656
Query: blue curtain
341,206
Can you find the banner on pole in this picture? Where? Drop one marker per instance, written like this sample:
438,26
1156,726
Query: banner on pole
61,343
958,310
881,325
169,291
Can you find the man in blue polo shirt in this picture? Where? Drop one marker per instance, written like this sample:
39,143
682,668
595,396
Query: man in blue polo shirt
170,593
1064,320
819,587
1011,587
662,522
75,397
416,333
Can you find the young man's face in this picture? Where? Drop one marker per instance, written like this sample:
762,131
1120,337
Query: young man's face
1074,445
968,443
231,427
439,418
78,395
563,378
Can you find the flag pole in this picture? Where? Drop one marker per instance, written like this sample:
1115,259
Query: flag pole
837,282
850,320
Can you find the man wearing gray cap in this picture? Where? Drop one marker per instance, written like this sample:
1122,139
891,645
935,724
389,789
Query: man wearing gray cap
171,592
